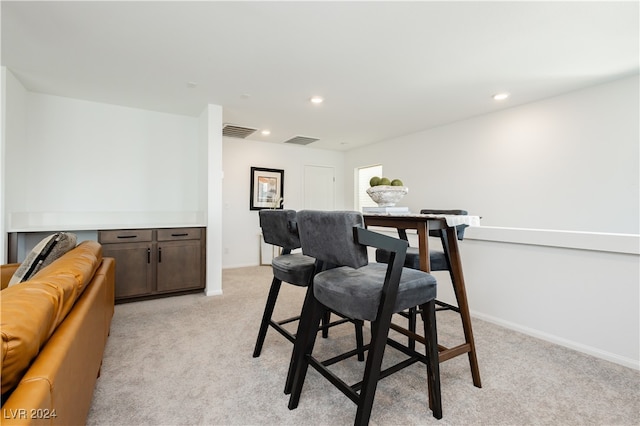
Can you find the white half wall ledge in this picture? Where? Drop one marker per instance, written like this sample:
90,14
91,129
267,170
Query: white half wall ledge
594,241
66,221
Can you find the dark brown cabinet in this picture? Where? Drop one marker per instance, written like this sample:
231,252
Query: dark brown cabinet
155,262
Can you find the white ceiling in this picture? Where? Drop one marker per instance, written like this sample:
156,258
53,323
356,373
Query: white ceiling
385,69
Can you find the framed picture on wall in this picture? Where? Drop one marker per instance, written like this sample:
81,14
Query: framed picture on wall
267,189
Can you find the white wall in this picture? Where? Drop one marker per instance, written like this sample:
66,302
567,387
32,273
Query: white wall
75,165
13,129
555,164
241,243
556,183
583,299
86,163
211,135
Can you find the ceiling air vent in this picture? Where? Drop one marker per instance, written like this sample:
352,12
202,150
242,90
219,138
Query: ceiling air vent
236,131
301,140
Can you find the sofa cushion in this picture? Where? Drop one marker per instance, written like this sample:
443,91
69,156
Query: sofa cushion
28,313
45,252
32,310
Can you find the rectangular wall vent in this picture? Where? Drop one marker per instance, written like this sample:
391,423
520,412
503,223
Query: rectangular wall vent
234,131
301,140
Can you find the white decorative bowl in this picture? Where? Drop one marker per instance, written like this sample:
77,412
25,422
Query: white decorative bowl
386,195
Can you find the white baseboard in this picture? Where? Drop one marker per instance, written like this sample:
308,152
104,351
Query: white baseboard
598,353
243,265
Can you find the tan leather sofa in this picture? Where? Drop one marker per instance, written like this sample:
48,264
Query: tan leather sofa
63,313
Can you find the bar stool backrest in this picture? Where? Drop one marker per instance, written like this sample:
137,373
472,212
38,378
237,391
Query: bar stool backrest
279,228
333,241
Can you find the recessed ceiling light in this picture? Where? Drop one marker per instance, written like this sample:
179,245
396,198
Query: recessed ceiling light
500,96
191,84
316,100
266,132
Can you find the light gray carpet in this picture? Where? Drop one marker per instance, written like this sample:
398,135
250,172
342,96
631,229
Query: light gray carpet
187,360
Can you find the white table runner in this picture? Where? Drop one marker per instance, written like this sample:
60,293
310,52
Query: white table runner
451,219
456,219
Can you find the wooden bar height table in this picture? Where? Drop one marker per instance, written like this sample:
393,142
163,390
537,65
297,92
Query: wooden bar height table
423,223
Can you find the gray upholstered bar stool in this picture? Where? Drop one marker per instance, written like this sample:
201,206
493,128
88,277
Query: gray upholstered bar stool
279,228
370,292
439,259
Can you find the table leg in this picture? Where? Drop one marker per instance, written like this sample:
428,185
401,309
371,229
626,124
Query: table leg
423,244
463,305
425,265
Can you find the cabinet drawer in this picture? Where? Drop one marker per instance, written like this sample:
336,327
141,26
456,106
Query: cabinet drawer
125,236
173,234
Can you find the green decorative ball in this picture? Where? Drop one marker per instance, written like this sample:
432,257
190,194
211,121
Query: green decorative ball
397,182
384,181
374,181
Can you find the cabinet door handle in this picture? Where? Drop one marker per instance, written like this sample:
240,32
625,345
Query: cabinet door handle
148,255
180,235
159,254
127,236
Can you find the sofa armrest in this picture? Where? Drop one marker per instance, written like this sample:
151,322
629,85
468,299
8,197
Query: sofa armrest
30,404
7,272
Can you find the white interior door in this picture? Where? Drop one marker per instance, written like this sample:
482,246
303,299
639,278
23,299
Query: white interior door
319,188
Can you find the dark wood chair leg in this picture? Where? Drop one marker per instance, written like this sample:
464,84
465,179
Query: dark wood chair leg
326,319
312,312
359,325
379,334
413,313
433,365
266,316
303,325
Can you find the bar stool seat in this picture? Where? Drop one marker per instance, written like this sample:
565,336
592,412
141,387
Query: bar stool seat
296,269
356,293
